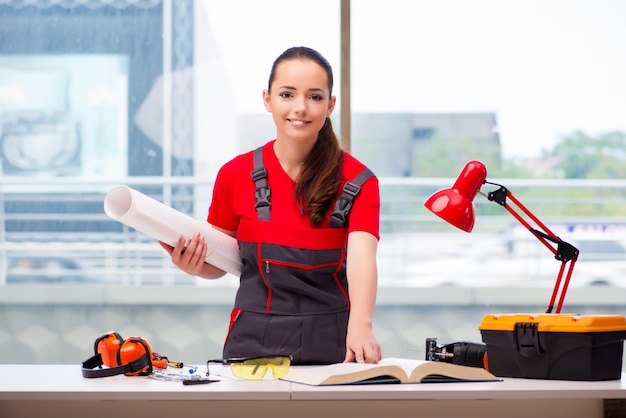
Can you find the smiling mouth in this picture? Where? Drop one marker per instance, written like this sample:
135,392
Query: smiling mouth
298,122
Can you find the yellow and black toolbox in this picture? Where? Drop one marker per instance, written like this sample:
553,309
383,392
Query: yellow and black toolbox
554,346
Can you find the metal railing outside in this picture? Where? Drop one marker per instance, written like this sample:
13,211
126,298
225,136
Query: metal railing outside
55,231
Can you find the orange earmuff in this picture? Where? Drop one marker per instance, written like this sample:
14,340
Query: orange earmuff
132,357
133,349
107,346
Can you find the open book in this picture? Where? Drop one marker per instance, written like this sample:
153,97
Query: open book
389,370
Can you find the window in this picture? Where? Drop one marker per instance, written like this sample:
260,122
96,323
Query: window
159,94
532,89
154,94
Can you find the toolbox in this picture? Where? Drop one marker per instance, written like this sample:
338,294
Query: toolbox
554,346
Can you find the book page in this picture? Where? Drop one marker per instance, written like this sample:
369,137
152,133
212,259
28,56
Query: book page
343,373
406,364
391,370
418,370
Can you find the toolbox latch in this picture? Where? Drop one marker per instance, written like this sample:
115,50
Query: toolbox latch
526,339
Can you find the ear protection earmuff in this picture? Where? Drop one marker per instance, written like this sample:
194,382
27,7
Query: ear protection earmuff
132,357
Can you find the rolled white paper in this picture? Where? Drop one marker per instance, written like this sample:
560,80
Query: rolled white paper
166,224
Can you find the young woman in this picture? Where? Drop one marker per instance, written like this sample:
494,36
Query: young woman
309,277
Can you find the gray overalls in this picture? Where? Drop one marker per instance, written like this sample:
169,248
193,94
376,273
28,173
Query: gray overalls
293,301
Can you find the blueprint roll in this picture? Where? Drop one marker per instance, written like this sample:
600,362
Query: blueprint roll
166,224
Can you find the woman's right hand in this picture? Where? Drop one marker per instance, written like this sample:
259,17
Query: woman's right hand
188,256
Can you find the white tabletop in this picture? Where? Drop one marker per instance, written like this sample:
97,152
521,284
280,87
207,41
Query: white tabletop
57,382
508,388
65,382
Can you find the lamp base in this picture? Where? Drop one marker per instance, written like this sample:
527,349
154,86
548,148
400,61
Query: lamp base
555,346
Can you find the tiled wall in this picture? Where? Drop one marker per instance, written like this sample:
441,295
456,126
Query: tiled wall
65,333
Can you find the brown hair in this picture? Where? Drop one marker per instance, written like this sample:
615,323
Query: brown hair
321,174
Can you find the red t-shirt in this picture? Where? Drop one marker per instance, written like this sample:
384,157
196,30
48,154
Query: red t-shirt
233,196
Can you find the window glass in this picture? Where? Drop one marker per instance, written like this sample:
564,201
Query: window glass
159,94
64,114
150,93
533,89
237,42
519,75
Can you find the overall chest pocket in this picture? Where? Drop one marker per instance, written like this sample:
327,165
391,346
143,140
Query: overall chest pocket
304,281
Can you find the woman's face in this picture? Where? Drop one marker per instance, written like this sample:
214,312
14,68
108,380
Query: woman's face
299,100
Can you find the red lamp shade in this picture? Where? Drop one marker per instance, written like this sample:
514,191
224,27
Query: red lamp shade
456,205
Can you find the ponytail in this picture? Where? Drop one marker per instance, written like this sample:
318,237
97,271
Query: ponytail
321,176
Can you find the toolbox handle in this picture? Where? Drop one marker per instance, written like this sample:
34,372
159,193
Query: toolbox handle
526,339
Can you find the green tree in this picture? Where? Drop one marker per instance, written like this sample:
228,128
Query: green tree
446,157
581,156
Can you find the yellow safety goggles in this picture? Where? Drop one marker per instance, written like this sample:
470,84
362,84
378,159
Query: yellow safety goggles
255,368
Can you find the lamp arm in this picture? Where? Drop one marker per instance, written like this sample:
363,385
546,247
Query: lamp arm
564,251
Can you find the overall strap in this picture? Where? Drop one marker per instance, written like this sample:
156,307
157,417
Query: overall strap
339,217
262,192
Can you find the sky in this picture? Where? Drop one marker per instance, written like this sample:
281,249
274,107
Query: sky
545,67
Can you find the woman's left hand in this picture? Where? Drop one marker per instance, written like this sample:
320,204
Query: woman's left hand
362,346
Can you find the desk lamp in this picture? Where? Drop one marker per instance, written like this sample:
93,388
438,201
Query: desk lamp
456,206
